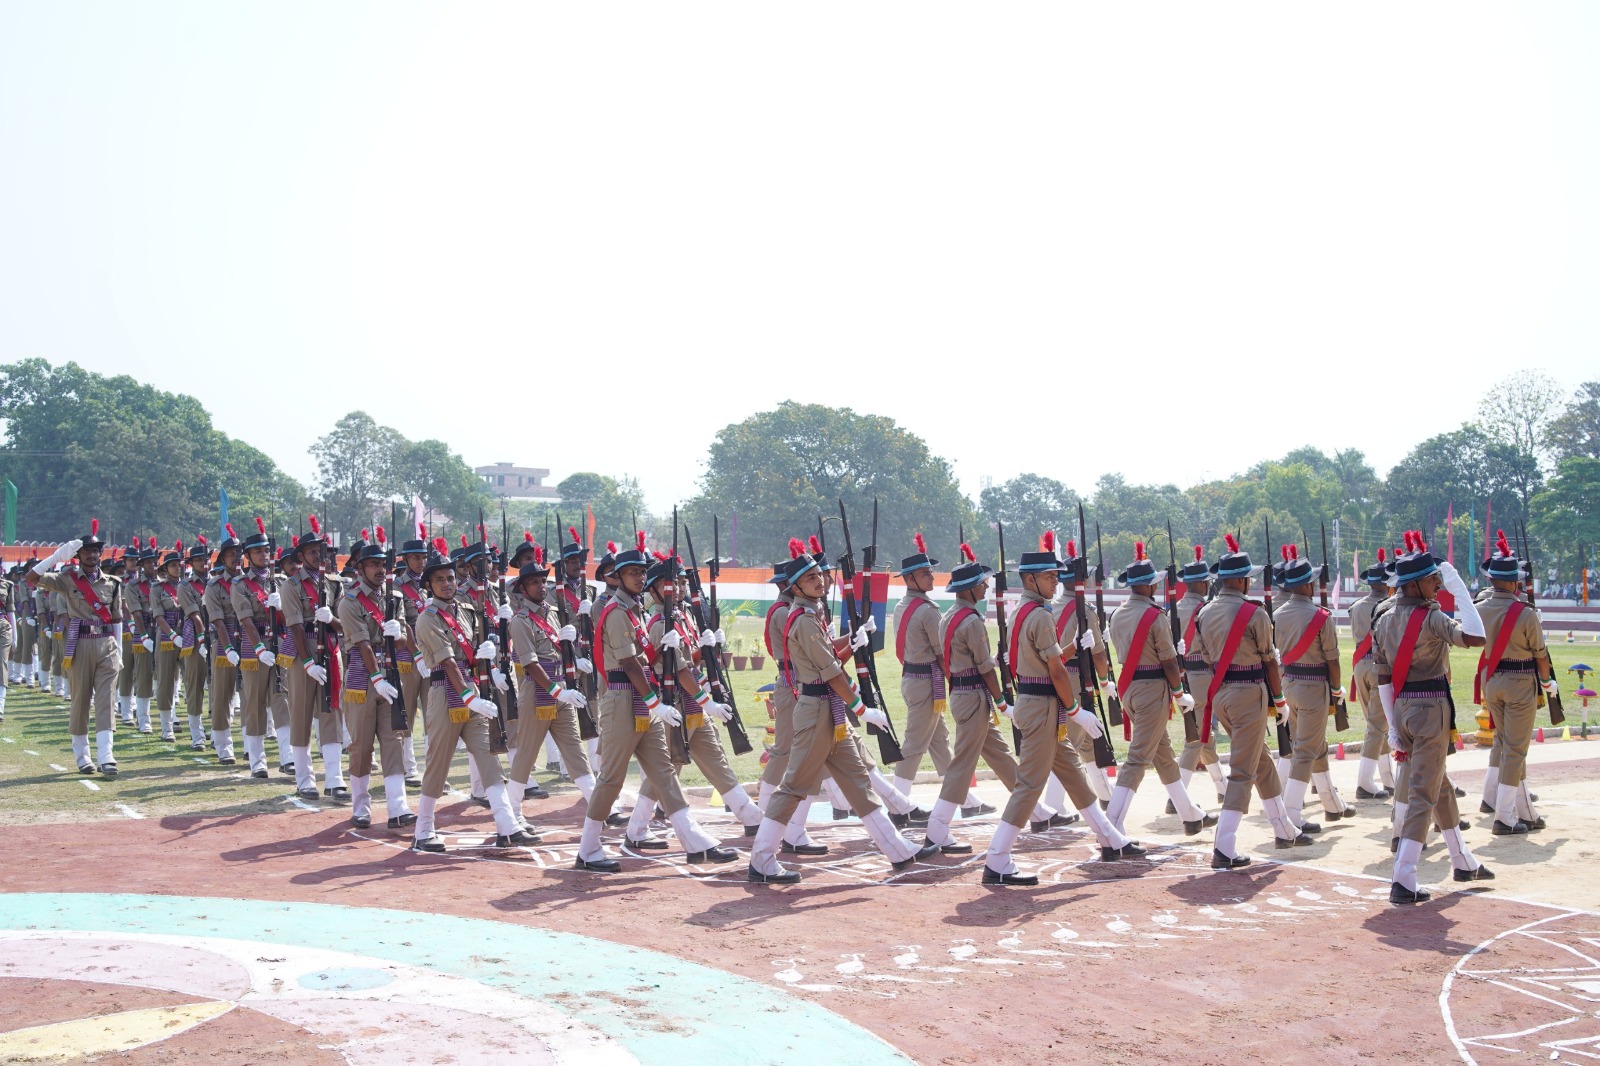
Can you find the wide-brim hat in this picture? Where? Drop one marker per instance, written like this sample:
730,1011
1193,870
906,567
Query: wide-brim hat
93,539
800,564
1295,573
410,547
369,551
1142,572
916,562
1235,564
631,557
172,557
471,552
780,574
1503,568
1417,563
967,575
1195,572
1038,562
533,569
522,548
573,548
436,561
1376,574
663,570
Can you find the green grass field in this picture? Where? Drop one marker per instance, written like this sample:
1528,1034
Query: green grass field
160,779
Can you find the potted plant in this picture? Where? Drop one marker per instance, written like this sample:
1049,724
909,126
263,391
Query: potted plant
758,655
741,657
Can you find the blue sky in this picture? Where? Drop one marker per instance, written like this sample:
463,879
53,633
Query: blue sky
1044,237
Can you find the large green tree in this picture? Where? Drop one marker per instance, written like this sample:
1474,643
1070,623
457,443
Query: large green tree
778,471
1575,432
1567,515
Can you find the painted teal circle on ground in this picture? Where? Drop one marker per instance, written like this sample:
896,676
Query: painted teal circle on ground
604,985
346,979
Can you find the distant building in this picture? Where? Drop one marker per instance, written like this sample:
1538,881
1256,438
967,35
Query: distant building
517,482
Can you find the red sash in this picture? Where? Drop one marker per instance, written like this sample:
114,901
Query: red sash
900,630
1189,630
1318,620
467,650
1230,648
795,614
1489,662
373,610
101,611
1408,645
766,626
1027,608
950,632
1130,662
1363,649
412,594
639,634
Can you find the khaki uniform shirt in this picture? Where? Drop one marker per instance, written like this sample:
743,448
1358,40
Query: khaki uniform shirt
810,650
71,601
775,621
531,642
246,605
1157,644
1216,619
1361,613
922,635
1199,675
1035,639
619,640
1289,626
1526,640
358,623
969,642
219,601
1431,656
438,642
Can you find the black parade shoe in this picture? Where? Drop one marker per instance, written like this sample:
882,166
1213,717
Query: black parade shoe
1301,841
617,821
309,793
108,769
787,848
751,830
1056,821
404,820
534,792
1381,794
1484,808
977,812
782,877
1130,850
927,851
361,821
598,866
991,877
1400,895
337,794
520,839
431,844
1220,861
1482,873
841,813
949,849
1192,829
710,855
649,844
1501,829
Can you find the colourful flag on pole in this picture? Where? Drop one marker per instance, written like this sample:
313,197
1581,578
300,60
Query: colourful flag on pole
11,513
222,530
588,530
418,513
1449,535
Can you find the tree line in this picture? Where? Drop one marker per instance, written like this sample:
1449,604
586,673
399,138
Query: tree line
151,460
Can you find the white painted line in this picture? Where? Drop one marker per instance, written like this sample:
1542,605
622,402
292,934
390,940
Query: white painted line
90,785
302,804
129,811
198,759
58,769
25,751
8,740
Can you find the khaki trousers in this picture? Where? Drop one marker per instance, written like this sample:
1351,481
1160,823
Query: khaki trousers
925,732
814,755
1196,754
1512,701
1423,726
166,675
976,738
47,650
1364,688
782,734
442,737
224,683
128,670
529,740
253,697
620,743
412,688
1042,755
1242,711
367,717
95,662
193,665
1148,702
144,672
1308,725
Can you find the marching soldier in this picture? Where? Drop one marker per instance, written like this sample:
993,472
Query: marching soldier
93,599
23,670
59,617
796,841
255,602
363,625
1513,668
1075,569
1235,639
633,722
1196,579
456,711
545,705
286,569
1149,685
141,594
225,658
131,622
1411,650
1047,700
192,653
823,743
1309,661
309,620
408,582
1375,761
167,612
8,636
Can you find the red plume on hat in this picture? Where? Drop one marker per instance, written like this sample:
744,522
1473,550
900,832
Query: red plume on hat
815,545
922,545
527,536
659,556
1500,543
261,527
153,545
1138,551
638,538
463,538
1411,543
797,547
572,531
538,552
294,541
1199,554
1228,539
315,524
94,527
228,529
1294,553
611,546
1047,541
966,553
1283,552
1381,555
136,541
1422,545
201,537
367,533
1072,548
383,538
441,545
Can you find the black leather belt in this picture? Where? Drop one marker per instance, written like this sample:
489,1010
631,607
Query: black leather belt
1036,688
917,668
815,689
1238,674
967,681
617,677
1428,686
1310,671
1516,666
1197,666
1148,673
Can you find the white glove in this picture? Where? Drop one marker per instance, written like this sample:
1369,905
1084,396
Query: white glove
233,657
671,641
584,607
499,679
317,673
149,645
1087,722
1340,694
1394,741
178,641
423,667
392,628
1006,709
1386,697
479,705
708,639
1108,689
65,551
1551,688
875,716
1185,702
504,613
323,615
386,692
567,633
582,665
265,657
871,624
722,638
274,601
860,640
486,650
1086,640
572,698
665,715
719,711
1183,647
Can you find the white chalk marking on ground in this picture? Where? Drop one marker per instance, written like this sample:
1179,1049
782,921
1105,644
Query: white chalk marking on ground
8,740
302,804
58,769
25,751
201,761
129,811
1449,980
90,785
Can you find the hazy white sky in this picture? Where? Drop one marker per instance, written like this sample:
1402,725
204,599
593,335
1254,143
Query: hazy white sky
989,222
